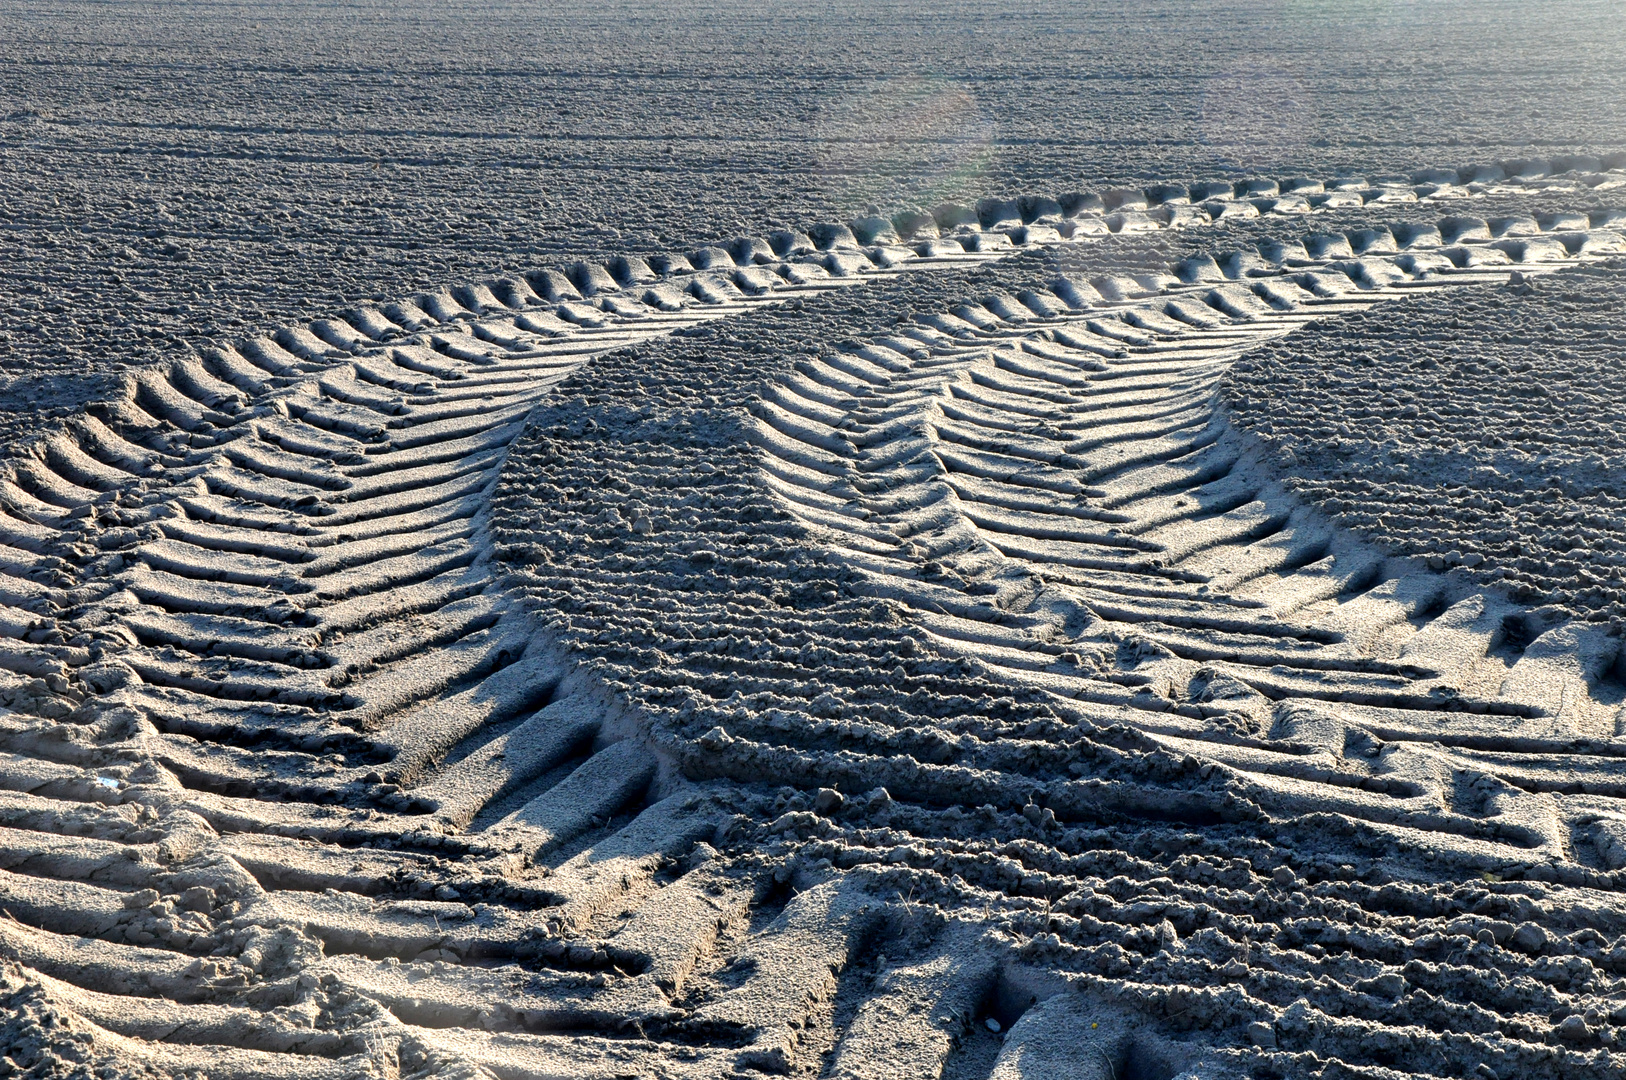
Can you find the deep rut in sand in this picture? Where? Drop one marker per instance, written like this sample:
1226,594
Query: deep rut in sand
303,776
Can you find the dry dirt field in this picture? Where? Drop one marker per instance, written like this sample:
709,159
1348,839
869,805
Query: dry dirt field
899,542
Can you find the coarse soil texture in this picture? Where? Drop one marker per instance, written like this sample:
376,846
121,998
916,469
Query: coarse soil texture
174,171
824,652
614,541
1485,430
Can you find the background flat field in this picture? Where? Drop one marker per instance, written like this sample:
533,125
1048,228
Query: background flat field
776,681
170,171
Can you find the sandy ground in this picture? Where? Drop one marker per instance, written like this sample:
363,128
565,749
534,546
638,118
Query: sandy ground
172,172
525,552
1372,416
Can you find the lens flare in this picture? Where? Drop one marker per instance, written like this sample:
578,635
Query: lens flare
909,140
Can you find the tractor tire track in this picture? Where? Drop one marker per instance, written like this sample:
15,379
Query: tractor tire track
293,775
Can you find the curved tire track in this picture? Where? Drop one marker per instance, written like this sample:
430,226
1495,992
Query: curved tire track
1047,485
280,740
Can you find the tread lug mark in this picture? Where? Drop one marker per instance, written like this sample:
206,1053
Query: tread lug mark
1214,572
319,760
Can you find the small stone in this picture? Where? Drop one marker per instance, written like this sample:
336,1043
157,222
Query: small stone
1530,938
199,898
993,1025
828,800
715,738
1284,876
1574,1028
1262,1035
